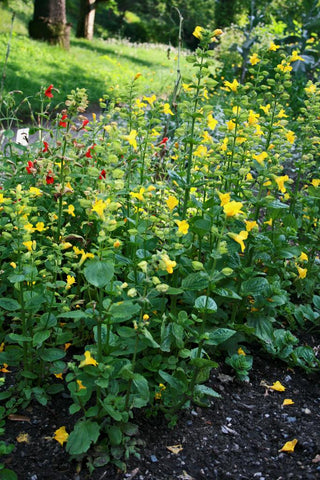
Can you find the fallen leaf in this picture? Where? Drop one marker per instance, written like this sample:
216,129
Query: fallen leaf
175,448
287,401
289,446
316,459
61,435
18,418
23,438
277,386
227,430
185,476
132,474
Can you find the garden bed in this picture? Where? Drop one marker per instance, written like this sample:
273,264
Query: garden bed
238,437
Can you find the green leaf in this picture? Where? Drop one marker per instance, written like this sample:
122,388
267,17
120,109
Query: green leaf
172,381
203,390
40,337
75,315
15,337
7,474
122,311
83,434
218,336
9,304
74,408
52,354
115,435
263,328
149,337
205,304
141,384
255,286
112,411
98,273
195,281
227,293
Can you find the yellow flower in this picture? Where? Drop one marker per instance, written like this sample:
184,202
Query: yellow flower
241,351
65,245
70,281
231,86
59,375
224,144
224,198
249,176
167,110
202,151
68,188
277,386
312,88
253,117
140,105
250,225
71,210
13,265
302,272
40,226
137,75
295,57
198,32
284,67
280,182
231,125
117,244
206,137
269,222
287,401
186,87
99,206
260,157
212,122
315,182
35,191
81,386
289,446
131,138
258,131
282,114
273,47
254,59
138,195
239,237
89,360
172,202
31,245
29,227
290,136
150,99
241,140
183,226
61,435
233,208
265,108
167,264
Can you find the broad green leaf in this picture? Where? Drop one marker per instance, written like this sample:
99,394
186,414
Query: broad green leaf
150,338
7,474
112,411
9,304
98,273
75,315
52,354
122,311
195,281
83,434
227,293
115,435
218,336
263,328
40,337
15,337
205,304
255,286
201,390
172,381
141,384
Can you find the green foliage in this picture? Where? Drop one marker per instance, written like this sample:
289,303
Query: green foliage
138,247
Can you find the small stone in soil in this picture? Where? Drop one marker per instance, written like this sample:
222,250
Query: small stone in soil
153,459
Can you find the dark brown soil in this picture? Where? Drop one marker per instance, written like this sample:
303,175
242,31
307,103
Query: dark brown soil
238,437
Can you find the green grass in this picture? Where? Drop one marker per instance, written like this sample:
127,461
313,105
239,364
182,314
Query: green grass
96,65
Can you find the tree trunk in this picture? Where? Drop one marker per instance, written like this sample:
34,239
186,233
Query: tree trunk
85,26
50,22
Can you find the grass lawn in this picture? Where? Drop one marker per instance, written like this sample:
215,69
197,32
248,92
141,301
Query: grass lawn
96,65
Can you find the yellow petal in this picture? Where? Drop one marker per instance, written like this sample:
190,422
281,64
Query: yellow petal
61,435
175,449
278,387
289,446
23,438
287,401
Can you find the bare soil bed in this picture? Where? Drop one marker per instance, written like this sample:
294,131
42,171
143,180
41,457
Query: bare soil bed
238,437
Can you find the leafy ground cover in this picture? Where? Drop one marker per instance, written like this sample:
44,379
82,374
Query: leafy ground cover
141,246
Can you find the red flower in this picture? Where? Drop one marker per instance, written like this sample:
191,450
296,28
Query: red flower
46,147
30,167
102,174
88,152
49,178
62,122
84,123
164,141
48,92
